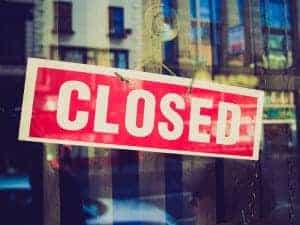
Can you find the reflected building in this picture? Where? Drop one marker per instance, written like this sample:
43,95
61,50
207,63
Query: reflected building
237,42
252,44
98,32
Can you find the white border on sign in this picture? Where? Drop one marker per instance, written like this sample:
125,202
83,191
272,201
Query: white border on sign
31,75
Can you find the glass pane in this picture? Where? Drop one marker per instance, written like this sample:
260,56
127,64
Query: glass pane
122,60
276,14
236,40
167,8
279,14
194,32
74,56
205,10
276,42
205,33
193,10
235,12
116,20
61,184
280,55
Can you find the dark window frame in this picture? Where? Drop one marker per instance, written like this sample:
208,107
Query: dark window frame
63,17
62,51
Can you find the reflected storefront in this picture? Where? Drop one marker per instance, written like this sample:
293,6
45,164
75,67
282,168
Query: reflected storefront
279,115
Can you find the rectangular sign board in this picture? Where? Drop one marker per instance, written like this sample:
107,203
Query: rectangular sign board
76,104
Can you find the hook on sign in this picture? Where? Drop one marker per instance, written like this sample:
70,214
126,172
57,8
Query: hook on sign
122,78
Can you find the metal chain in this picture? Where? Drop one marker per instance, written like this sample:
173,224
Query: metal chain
252,39
292,184
286,34
253,193
248,213
265,36
266,18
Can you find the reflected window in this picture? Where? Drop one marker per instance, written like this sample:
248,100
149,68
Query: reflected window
119,58
235,12
193,13
204,31
169,35
276,26
167,8
206,10
276,13
116,22
63,17
236,32
236,40
194,30
71,54
169,50
74,55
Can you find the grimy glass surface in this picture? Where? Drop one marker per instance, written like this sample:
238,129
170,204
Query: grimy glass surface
246,43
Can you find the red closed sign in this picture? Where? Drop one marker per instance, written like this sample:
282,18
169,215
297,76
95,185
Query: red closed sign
77,104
